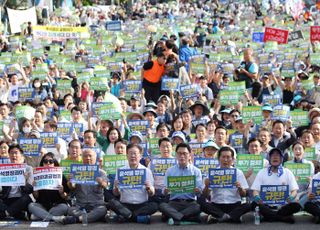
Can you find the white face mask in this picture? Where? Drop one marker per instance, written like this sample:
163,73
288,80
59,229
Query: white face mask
26,129
37,84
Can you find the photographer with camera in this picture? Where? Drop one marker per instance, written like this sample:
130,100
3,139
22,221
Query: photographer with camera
247,70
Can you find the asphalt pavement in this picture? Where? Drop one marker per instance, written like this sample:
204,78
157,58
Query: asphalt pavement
303,222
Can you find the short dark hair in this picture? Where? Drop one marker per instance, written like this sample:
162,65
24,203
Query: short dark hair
130,146
15,146
221,127
122,141
253,140
163,139
161,125
160,54
278,122
225,149
67,95
74,140
76,108
183,145
94,133
200,125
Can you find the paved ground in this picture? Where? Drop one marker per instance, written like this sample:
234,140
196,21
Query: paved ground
302,223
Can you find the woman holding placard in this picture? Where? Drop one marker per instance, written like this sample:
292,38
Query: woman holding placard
51,204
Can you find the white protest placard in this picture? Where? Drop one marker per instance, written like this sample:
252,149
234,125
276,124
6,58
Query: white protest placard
49,178
12,174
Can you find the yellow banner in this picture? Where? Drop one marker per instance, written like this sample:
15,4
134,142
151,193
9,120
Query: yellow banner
60,33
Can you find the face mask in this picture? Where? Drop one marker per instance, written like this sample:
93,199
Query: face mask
26,129
37,84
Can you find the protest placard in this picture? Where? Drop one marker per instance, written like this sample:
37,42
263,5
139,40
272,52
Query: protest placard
301,171
237,86
58,33
277,35
295,36
4,160
274,194
113,25
78,128
159,166
48,178
253,113
274,99
299,117
257,36
222,178
316,188
310,153
25,93
196,149
229,97
139,125
63,84
112,162
314,33
84,174
64,129
95,107
30,146
188,91
281,112
49,140
109,111
204,164
25,112
153,144
98,83
131,178
12,174
168,84
249,161
65,164
132,86
181,184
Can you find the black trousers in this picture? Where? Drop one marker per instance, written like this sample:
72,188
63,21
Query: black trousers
152,90
235,211
131,211
271,214
17,205
312,208
181,210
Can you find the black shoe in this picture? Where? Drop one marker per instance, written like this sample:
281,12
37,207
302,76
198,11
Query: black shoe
69,220
288,219
211,220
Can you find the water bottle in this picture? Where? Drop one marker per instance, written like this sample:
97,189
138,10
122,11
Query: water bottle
84,217
257,216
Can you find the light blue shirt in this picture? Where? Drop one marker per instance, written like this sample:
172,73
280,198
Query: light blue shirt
190,170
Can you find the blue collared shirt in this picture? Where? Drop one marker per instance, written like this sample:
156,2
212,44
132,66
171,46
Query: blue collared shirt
189,170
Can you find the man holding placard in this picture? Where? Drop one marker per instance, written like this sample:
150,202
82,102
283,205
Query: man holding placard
275,189
184,183
89,196
312,206
16,193
134,184
224,187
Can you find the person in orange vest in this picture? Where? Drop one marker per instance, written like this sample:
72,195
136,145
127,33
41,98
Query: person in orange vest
151,75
